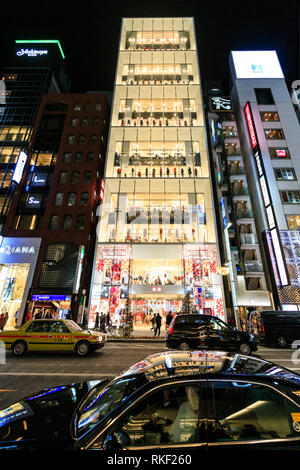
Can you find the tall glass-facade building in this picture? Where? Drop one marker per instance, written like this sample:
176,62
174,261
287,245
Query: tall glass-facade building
157,240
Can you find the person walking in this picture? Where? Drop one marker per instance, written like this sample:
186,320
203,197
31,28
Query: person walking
4,321
97,321
1,320
157,325
153,322
102,322
107,320
169,318
28,317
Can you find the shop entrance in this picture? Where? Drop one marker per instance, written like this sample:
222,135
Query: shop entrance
144,307
50,306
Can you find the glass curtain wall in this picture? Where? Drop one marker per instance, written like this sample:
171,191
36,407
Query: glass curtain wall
156,233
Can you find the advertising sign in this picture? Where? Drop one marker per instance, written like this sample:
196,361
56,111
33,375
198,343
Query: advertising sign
18,173
272,224
220,103
256,64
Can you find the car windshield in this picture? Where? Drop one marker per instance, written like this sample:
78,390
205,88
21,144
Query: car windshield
103,401
73,326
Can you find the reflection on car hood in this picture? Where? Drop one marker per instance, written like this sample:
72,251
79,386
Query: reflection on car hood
44,416
176,363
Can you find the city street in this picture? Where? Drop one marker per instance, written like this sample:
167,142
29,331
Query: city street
27,375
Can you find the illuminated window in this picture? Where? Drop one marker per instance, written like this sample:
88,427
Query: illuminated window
90,157
78,157
59,199
285,174
75,177
269,116
279,152
71,139
290,197
98,106
71,199
74,122
87,177
293,221
84,199
77,107
67,157
67,222
54,222
274,134
82,139
93,139
63,177
80,222
85,121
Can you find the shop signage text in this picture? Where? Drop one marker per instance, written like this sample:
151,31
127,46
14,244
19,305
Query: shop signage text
11,250
31,52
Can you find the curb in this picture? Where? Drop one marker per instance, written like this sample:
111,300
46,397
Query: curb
134,340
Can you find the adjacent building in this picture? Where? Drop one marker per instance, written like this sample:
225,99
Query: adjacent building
157,241
54,208
260,159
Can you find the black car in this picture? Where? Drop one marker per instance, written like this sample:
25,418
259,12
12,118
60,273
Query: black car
205,331
182,400
275,327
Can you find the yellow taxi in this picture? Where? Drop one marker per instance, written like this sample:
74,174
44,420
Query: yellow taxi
52,335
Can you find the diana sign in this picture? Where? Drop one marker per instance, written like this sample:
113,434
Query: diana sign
31,52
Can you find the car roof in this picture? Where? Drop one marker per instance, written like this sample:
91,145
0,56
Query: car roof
194,363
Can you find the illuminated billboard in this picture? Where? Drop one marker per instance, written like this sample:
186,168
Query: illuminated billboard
256,64
18,173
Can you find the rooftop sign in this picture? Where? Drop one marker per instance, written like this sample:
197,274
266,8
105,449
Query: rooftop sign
256,64
39,41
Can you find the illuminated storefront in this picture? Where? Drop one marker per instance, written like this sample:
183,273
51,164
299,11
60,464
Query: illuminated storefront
18,258
156,233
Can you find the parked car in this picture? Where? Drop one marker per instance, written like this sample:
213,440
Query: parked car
51,335
206,331
199,400
279,327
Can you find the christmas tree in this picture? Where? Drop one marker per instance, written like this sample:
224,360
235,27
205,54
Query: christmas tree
188,306
128,321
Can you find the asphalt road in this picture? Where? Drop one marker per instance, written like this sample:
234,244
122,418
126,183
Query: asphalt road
27,375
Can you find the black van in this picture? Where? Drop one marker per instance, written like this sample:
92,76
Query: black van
207,332
279,327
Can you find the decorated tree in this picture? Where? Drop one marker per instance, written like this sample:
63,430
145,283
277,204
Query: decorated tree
128,321
188,304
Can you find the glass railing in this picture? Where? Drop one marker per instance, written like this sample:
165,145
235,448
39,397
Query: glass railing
253,267
248,238
240,192
244,214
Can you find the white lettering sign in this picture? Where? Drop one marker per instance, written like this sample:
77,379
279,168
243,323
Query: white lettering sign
17,176
31,52
11,250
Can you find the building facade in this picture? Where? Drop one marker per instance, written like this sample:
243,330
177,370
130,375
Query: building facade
156,233
35,68
246,285
55,202
270,140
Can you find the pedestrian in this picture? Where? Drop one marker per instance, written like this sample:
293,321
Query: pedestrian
190,171
97,321
169,318
48,315
1,320
107,319
16,316
182,172
84,324
28,317
153,322
157,324
4,321
102,322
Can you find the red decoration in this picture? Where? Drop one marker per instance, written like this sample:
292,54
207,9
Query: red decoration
213,267
100,265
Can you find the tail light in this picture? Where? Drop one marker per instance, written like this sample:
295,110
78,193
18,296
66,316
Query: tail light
171,328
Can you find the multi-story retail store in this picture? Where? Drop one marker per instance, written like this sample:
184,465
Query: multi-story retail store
269,134
156,234
246,280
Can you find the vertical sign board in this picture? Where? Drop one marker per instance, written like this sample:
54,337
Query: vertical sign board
19,168
278,251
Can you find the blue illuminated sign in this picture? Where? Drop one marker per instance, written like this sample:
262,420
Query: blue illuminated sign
51,297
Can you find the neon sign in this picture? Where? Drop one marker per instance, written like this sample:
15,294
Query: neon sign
32,52
250,125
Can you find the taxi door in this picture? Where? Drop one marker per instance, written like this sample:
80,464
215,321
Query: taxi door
62,336
39,337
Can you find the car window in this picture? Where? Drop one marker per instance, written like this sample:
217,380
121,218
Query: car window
38,327
216,324
73,326
101,402
172,415
58,327
247,411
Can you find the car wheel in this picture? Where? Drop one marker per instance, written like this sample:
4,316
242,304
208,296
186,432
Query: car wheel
19,348
281,341
244,348
184,346
83,348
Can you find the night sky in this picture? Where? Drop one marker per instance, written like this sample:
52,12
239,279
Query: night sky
89,33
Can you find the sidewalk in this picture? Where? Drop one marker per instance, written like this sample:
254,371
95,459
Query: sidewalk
142,334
